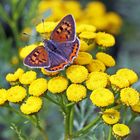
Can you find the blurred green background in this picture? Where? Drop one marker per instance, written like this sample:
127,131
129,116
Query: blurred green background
16,15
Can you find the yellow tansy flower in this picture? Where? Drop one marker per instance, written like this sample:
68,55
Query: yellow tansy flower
120,130
28,77
129,96
119,81
47,26
16,94
136,108
96,65
77,73
99,22
85,27
87,35
26,50
11,77
57,84
128,74
19,72
102,97
85,47
15,60
105,39
38,87
111,116
83,58
96,80
95,9
107,59
48,73
76,92
114,22
3,96
32,105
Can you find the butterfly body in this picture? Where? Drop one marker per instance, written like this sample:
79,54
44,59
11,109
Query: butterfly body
59,51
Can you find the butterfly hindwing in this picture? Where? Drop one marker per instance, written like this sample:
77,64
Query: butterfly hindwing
65,30
37,58
57,62
69,50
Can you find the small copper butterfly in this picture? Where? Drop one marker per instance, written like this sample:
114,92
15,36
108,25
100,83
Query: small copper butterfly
59,51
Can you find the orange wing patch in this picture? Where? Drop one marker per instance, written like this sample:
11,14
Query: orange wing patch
38,57
63,32
74,51
61,66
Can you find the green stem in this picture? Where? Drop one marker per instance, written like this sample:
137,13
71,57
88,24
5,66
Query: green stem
87,127
40,128
68,118
70,104
34,121
71,120
117,106
51,99
124,114
66,121
109,133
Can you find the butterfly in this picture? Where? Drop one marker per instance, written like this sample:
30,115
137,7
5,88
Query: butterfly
59,51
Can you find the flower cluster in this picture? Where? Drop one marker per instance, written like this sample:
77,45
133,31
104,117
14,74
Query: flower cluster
25,90
96,15
87,77
88,73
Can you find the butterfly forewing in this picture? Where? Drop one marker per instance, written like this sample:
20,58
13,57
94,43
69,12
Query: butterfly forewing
37,58
65,30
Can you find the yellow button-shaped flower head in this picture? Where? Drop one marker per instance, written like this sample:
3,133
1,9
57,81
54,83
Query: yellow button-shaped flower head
119,81
16,94
48,73
107,59
114,21
96,80
12,77
32,105
85,27
28,77
105,39
26,50
129,96
3,96
111,116
38,87
57,84
96,65
49,27
136,108
77,73
83,58
121,130
76,92
19,72
87,35
95,9
128,74
102,97
85,47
